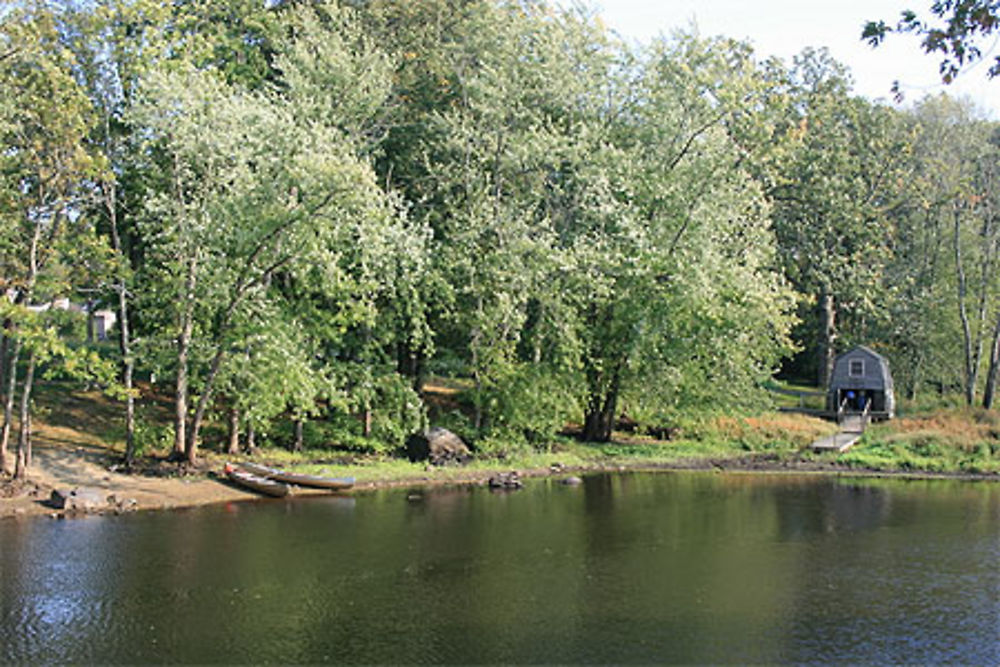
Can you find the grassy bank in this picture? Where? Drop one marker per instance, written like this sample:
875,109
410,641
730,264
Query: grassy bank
957,440
943,441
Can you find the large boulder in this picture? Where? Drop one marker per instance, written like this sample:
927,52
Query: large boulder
80,499
439,446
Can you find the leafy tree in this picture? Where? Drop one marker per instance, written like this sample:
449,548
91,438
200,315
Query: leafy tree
918,327
268,220
250,193
44,167
336,77
832,198
956,29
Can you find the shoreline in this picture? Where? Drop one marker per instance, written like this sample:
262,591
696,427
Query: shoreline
208,488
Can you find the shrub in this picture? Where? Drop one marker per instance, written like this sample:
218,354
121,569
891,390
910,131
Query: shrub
150,436
530,403
500,448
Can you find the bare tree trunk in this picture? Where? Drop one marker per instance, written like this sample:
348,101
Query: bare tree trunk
828,338
234,431
24,431
8,405
972,343
4,350
251,438
474,343
181,396
23,456
127,364
918,366
183,353
297,445
191,451
989,391
90,322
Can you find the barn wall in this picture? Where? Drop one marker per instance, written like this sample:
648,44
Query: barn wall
876,378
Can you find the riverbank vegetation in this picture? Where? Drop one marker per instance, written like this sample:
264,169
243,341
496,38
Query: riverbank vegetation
325,226
944,441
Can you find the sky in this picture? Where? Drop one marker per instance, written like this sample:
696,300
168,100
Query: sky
784,27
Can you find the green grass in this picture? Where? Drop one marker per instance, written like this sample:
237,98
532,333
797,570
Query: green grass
811,398
946,440
958,440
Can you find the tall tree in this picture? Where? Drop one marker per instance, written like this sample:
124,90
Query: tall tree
832,198
690,244
44,166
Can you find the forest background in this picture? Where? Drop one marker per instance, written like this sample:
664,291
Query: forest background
302,211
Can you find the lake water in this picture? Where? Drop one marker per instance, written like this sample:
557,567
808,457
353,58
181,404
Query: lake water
633,567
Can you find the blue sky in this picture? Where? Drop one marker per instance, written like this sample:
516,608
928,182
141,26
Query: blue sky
784,27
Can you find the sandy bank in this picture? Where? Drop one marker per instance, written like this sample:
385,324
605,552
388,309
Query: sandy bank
159,488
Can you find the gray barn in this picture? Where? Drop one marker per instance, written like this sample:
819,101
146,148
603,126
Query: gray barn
859,376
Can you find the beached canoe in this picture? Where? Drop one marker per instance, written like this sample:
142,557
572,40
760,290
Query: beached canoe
333,483
257,483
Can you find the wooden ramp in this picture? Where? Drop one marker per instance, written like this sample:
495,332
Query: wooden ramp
852,427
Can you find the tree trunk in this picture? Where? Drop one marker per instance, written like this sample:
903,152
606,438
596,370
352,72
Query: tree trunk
127,369
127,364
8,405
827,338
234,431
599,420
4,349
90,322
918,367
183,353
475,340
251,438
989,391
23,298
972,331
24,432
191,451
181,394
297,444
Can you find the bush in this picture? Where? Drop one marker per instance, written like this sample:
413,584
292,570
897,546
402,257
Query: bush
500,447
150,436
397,410
531,404
338,431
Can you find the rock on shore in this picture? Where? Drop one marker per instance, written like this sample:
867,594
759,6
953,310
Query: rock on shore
439,446
87,500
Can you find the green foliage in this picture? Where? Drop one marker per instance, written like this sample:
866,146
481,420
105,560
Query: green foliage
954,29
397,411
320,203
531,404
501,447
152,437
340,433
69,325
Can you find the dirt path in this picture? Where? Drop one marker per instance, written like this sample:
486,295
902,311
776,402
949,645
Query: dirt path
65,459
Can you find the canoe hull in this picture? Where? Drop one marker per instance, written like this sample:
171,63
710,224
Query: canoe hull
331,483
259,484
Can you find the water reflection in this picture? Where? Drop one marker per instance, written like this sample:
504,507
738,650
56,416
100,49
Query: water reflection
625,568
